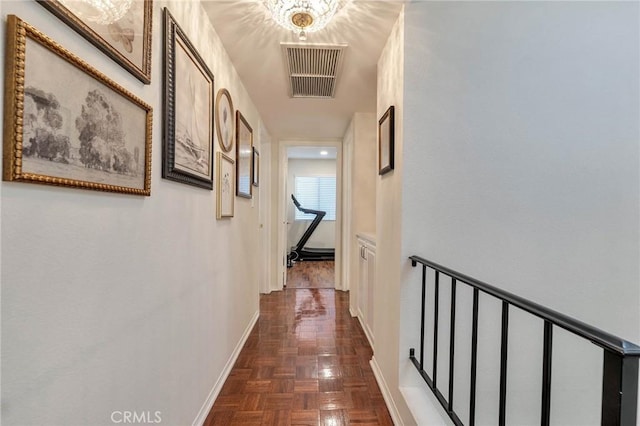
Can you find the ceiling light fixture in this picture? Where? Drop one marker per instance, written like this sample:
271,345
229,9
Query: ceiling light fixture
302,16
324,153
103,12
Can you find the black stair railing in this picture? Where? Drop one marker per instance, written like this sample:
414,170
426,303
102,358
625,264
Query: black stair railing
620,369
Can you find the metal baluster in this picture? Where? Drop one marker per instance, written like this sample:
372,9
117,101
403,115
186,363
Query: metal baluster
452,341
474,359
503,364
422,317
619,390
435,329
546,374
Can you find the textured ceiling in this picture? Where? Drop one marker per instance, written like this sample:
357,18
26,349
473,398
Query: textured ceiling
252,40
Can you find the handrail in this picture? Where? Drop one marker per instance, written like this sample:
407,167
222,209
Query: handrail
595,335
619,405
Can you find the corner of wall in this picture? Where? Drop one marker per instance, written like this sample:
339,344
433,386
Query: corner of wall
387,321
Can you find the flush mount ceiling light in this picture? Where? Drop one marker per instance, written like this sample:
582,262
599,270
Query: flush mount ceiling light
302,16
103,12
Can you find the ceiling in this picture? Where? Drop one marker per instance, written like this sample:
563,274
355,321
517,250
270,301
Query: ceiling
252,40
312,152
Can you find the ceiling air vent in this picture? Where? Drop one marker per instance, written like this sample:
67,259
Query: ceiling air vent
312,69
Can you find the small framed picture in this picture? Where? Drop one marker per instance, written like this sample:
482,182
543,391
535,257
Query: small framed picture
244,145
96,136
386,141
224,186
188,109
255,168
224,120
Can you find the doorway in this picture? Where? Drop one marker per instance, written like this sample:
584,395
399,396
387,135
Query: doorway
310,233
311,216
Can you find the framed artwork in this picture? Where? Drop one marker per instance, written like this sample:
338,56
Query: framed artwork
96,136
244,145
255,168
224,120
188,110
127,40
224,186
385,141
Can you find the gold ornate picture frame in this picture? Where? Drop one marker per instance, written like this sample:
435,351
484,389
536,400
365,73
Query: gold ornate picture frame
224,186
127,41
96,136
224,120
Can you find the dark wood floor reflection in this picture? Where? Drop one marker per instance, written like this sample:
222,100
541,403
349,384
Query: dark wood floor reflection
311,274
306,362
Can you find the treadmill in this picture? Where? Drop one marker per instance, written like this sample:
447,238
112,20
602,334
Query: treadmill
300,252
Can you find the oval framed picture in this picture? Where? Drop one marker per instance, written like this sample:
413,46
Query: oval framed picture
224,119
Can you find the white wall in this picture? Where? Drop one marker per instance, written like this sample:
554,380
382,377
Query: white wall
266,231
360,141
389,226
365,172
520,163
325,234
118,302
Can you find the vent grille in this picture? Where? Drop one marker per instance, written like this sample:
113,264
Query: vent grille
313,70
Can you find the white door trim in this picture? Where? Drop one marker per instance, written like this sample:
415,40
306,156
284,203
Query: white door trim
283,200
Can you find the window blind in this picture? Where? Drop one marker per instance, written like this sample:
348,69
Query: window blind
317,193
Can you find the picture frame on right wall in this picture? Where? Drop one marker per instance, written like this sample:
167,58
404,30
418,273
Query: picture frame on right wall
386,136
255,168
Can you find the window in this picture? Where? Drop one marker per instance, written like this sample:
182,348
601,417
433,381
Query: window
317,193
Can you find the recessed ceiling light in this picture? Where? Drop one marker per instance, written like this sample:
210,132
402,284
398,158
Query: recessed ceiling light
324,153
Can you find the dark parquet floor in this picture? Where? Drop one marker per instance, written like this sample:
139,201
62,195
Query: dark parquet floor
306,362
311,274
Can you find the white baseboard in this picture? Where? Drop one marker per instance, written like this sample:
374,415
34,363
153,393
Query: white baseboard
386,394
367,332
206,407
353,314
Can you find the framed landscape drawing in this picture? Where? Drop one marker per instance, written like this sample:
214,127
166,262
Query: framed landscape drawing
96,136
244,155
224,119
127,40
386,141
224,186
188,110
255,168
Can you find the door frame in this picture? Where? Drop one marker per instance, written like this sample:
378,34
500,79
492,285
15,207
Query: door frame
283,201
265,211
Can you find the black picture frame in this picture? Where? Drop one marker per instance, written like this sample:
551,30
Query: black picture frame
188,149
386,136
244,156
255,168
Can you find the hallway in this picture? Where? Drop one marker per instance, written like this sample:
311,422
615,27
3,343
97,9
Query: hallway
306,362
